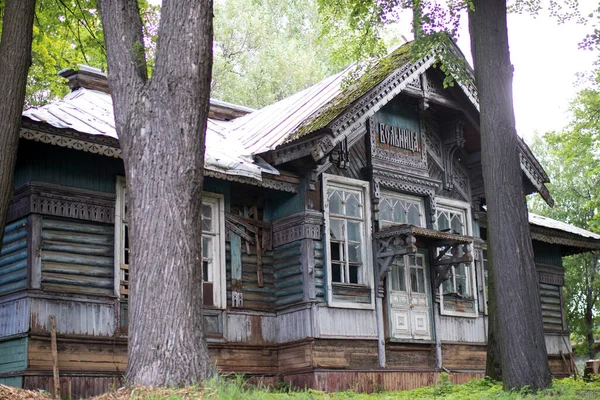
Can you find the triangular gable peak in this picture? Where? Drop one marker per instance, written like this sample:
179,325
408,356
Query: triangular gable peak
342,120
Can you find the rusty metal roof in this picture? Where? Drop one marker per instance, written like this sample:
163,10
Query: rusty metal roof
91,111
550,223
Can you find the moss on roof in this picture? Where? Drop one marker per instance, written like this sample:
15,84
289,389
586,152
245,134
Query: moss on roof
367,80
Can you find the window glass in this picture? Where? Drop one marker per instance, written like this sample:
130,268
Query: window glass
398,279
396,209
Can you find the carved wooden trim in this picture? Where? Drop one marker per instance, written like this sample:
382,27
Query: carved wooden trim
304,225
393,158
71,140
410,184
551,279
265,183
61,201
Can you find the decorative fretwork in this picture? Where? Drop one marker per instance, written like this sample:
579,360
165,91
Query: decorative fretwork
340,155
449,255
455,139
305,225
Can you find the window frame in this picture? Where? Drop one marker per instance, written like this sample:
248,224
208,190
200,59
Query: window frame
338,182
456,205
218,272
402,197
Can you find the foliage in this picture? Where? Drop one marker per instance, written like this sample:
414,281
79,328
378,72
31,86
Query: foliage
266,50
572,160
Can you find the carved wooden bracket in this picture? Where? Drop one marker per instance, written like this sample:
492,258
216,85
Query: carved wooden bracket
340,155
455,139
390,244
450,254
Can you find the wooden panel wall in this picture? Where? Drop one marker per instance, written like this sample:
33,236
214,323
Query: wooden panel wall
14,381
244,359
14,316
357,162
470,330
13,257
75,387
250,327
77,257
464,357
346,323
294,325
295,357
77,316
551,307
342,354
410,356
288,273
77,355
13,355
53,164
545,253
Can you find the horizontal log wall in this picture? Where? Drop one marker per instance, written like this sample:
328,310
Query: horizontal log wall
77,257
412,356
13,257
464,357
552,312
320,271
288,273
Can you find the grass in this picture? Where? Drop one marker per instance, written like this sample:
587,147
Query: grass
235,388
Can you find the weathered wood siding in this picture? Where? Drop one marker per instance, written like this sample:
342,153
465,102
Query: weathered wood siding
288,273
557,344
413,356
77,257
250,327
293,325
336,354
78,356
244,359
14,381
551,307
346,323
75,387
357,155
14,315
295,357
320,274
76,316
13,257
53,164
13,355
545,253
467,330
464,357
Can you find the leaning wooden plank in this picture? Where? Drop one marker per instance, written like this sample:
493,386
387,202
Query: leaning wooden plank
54,357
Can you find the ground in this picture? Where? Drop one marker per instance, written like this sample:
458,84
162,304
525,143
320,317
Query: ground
233,389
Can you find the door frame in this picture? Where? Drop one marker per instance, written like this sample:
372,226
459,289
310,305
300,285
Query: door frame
425,253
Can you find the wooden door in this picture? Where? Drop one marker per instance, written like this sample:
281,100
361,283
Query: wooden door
410,308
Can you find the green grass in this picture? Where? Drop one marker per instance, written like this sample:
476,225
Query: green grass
476,389
234,388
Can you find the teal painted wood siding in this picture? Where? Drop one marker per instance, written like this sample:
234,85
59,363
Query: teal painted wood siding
548,254
41,162
13,257
14,381
77,257
320,279
13,355
288,273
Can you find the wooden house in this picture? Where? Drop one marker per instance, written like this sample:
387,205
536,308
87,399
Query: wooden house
344,238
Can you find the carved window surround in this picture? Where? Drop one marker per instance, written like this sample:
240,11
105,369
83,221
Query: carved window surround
304,225
61,201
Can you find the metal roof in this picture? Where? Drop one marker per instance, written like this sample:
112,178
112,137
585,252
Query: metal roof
91,111
550,223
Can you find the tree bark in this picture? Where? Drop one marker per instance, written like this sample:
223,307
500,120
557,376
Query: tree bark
518,329
161,124
493,367
15,59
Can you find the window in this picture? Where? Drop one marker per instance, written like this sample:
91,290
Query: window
213,245
458,292
396,209
347,223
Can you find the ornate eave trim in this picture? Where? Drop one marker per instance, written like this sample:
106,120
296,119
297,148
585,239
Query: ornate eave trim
74,140
303,225
264,183
555,236
109,147
398,230
62,201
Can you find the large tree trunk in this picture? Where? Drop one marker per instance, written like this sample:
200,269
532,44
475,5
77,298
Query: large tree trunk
493,367
161,125
519,329
15,59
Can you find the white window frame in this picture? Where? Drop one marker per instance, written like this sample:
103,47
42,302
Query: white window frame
403,197
456,205
218,273
366,250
